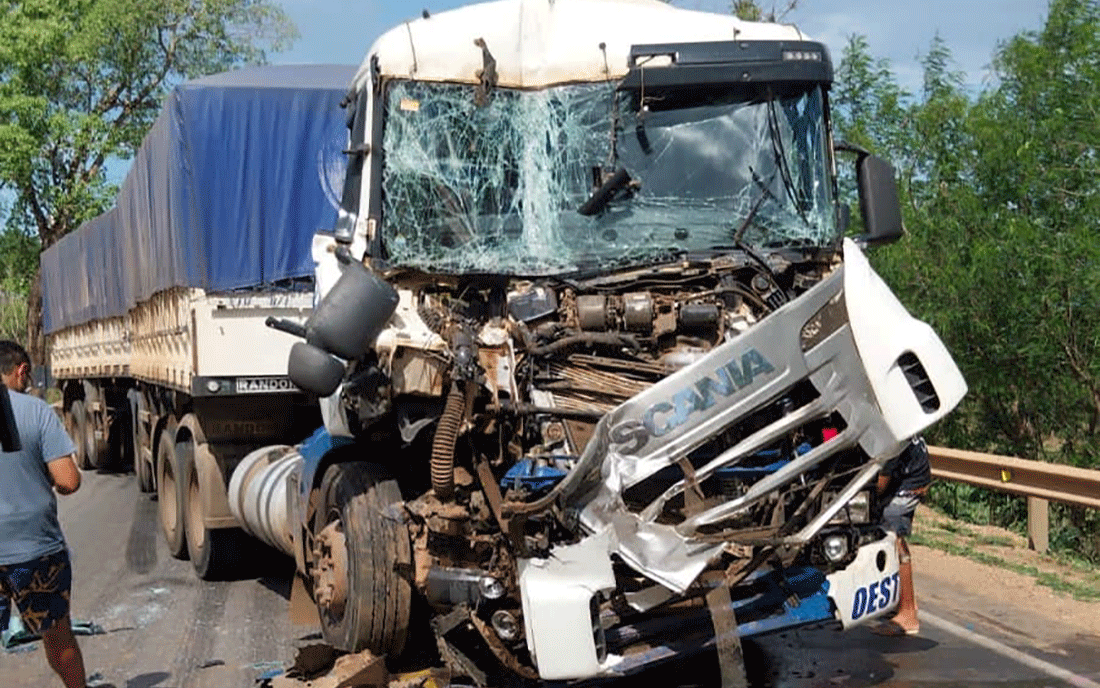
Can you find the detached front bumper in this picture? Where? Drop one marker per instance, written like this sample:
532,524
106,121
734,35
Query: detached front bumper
568,641
867,588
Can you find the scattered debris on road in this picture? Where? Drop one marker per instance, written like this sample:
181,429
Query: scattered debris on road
322,666
16,634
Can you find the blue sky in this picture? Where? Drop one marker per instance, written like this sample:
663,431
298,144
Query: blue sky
341,31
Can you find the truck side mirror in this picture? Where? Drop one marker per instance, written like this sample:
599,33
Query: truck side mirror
9,434
314,370
878,201
878,198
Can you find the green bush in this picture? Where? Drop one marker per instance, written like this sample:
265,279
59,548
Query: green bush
1074,531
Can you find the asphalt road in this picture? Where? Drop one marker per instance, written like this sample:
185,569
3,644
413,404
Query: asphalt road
166,629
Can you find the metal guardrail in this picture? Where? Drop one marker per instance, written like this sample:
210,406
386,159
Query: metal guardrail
1051,481
1039,481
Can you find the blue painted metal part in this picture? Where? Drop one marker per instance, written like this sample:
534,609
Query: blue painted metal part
809,610
782,600
535,478
750,473
753,473
320,443
313,451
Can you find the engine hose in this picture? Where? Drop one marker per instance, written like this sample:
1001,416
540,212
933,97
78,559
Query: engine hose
587,339
443,444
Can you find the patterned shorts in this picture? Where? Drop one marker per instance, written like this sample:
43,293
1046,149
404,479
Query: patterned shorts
897,517
40,590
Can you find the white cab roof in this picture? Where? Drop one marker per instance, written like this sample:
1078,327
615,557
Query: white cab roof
537,43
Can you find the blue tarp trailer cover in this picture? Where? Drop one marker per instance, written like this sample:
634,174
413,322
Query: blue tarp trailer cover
238,172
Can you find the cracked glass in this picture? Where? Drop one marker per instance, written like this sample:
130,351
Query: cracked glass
499,188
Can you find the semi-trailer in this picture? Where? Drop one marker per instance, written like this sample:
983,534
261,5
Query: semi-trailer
154,311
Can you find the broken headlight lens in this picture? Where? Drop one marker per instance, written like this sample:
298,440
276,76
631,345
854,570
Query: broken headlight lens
827,320
857,510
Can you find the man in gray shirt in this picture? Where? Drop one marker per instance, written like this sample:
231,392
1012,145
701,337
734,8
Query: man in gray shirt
35,572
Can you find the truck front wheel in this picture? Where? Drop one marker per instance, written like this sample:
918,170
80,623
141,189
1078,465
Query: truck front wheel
169,501
360,548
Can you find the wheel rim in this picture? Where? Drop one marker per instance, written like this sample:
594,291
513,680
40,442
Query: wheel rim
91,458
330,581
167,496
78,420
196,531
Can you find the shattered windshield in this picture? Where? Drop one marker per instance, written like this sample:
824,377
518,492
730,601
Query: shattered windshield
576,177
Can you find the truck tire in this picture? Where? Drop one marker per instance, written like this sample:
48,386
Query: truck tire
95,449
362,598
142,469
121,440
216,553
99,454
79,433
169,494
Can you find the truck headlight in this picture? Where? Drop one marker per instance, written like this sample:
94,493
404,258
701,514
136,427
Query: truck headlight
857,510
491,588
505,624
835,548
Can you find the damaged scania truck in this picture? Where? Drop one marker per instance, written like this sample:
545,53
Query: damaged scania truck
604,379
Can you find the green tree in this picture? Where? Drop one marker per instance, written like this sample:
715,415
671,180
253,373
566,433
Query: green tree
1002,196
747,10
750,10
18,258
82,80
869,107
869,110
1039,176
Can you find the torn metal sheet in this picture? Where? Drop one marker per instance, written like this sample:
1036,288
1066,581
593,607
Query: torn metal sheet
558,595
657,428
731,659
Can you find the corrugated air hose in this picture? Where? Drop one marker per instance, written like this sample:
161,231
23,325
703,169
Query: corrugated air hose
443,444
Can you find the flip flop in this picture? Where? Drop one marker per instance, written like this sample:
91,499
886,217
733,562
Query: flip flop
893,629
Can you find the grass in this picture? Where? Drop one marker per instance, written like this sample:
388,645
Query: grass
994,541
1084,591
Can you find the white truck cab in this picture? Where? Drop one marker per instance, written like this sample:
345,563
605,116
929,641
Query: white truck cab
593,344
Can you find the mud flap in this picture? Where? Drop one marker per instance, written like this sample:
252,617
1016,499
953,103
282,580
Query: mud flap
731,660
302,611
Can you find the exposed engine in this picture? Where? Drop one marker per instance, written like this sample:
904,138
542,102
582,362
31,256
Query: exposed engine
503,384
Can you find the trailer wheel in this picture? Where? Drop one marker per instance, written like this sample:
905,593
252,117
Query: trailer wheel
78,430
120,442
142,468
216,553
362,598
169,494
99,455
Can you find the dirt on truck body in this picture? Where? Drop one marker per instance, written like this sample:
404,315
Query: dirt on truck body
599,372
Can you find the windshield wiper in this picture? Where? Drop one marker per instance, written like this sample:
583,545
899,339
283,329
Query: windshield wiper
603,195
739,242
780,153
